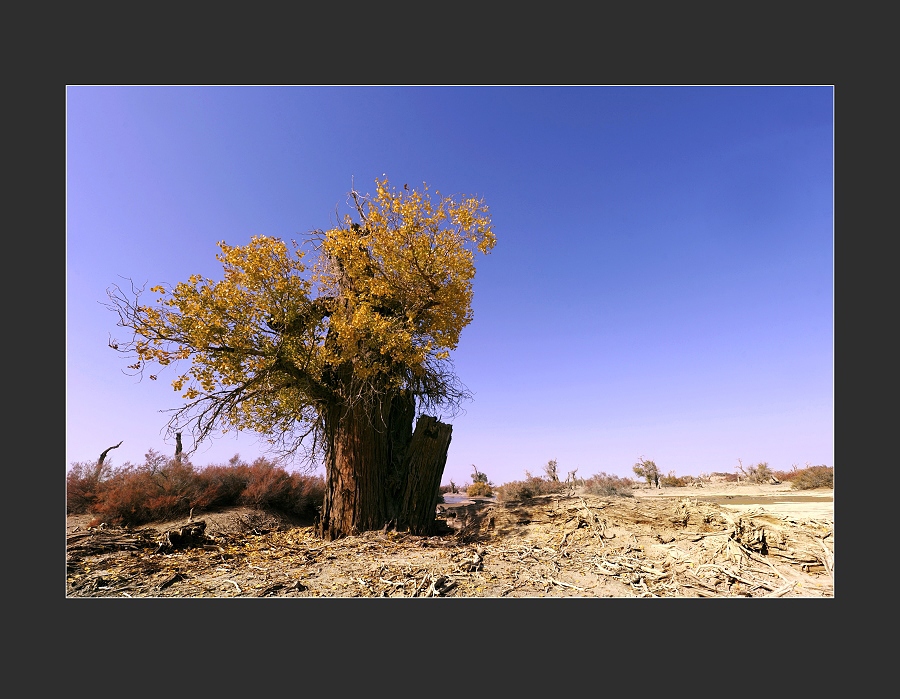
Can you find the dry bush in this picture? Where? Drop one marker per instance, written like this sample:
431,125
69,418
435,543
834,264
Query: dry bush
452,488
608,485
291,493
674,481
808,478
761,473
531,487
160,488
222,486
479,489
164,488
83,482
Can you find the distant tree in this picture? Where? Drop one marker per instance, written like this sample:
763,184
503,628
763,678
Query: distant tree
761,473
648,470
336,359
480,484
478,476
550,470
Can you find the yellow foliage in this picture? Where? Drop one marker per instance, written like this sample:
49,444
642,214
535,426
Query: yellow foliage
384,302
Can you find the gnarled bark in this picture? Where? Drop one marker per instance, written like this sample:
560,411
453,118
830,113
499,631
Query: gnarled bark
379,473
426,458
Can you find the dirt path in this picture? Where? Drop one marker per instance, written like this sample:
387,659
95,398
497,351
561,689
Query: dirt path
779,499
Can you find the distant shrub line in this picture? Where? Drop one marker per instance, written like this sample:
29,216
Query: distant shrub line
806,478
166,488
615,486
533,486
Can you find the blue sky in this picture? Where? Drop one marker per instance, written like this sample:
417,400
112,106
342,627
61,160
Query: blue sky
662,285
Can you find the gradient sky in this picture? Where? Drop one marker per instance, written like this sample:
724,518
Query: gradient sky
662,285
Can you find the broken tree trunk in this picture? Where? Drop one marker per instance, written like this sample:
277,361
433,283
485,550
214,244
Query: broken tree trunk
379,474
426,458
192,534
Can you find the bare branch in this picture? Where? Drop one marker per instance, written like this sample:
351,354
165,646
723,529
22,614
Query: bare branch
105,452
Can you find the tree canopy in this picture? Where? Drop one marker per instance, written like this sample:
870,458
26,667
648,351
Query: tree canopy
372,306
644,468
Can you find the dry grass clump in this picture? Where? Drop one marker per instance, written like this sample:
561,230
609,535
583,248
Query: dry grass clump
608,485
163,488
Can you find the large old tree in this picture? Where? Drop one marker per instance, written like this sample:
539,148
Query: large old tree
336,359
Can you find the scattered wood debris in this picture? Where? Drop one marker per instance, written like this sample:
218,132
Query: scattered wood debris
556,546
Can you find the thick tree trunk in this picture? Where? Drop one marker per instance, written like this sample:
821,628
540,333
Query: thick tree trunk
378,473
357,470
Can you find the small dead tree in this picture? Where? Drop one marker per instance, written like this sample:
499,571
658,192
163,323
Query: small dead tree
572,481
550,470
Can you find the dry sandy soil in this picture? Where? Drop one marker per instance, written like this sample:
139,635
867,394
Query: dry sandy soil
720,540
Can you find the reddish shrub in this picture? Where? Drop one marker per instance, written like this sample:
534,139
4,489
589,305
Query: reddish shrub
83,482
270,486
809,477
163,488
221,486
124,498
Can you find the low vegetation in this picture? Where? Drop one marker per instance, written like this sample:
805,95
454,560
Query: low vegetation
479,490
605,484
761,473
531,487
808,478
481,486
168,488
163,488
673,481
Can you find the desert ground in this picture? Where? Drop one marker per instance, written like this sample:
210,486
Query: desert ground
718,540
